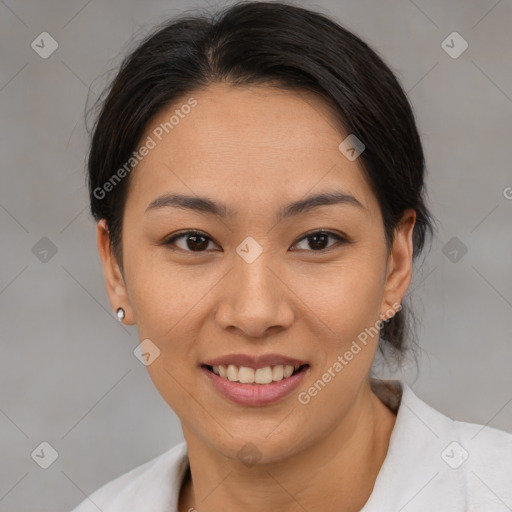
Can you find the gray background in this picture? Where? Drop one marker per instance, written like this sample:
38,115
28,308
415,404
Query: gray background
69,376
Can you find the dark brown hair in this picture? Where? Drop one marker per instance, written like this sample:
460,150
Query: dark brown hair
266,43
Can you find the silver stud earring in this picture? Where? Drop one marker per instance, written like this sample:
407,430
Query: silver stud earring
120,314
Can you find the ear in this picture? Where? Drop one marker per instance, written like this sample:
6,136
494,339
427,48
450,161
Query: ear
114,280
399,265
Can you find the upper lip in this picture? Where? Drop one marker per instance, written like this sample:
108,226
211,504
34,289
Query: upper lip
255,361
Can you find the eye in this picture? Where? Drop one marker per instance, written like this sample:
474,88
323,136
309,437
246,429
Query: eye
318,239
194,241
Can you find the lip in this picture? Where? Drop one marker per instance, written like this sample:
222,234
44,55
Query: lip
255,362
255,394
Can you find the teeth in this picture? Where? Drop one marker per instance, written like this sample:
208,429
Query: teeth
247,375
232,373
278,372
288,370
263,375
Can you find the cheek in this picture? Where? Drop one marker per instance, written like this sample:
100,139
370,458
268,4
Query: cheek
166,307
346,295
161,295
169,308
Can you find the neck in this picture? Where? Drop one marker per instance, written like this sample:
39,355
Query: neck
338,471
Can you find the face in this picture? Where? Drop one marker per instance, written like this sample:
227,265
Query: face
256,277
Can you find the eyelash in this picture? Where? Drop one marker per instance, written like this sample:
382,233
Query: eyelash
340,240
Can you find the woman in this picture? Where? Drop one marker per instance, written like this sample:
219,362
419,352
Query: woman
258,182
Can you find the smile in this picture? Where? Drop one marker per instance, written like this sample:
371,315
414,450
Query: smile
247,375
253,393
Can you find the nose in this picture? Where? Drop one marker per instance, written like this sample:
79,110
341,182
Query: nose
255,298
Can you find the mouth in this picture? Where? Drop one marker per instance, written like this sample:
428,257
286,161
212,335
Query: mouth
252,380
257,376
255,387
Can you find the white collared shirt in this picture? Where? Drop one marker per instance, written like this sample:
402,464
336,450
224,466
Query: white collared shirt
433,463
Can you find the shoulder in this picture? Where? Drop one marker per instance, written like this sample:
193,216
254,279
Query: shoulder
475,460
485,455
436,461
155,482
484,441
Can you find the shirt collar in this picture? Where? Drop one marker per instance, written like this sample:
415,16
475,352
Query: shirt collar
414,471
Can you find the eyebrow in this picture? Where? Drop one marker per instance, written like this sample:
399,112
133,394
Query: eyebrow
206,205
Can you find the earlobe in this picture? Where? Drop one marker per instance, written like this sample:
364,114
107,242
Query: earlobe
399,264
114,280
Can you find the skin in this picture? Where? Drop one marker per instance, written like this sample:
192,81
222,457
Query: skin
256,149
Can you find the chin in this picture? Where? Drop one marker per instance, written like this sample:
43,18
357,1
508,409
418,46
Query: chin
256,450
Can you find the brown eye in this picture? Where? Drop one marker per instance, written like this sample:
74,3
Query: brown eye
318,240
194,241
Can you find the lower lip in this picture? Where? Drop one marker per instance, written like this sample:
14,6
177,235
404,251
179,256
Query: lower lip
255,394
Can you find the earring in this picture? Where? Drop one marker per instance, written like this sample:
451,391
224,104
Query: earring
120,314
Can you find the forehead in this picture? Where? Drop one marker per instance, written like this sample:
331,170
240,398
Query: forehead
256,141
